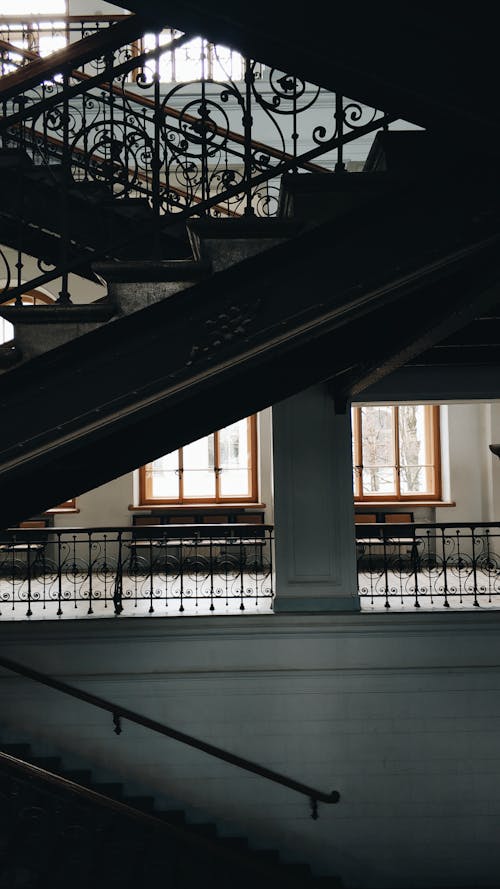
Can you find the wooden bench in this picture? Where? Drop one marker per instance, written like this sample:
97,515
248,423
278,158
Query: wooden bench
229,539
20,550
386,535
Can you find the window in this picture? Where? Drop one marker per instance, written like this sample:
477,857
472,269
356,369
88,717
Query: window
396,452
42,36
198,58
220,468
33,298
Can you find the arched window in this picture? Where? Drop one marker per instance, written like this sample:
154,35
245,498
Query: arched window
396,452
33,298
219,468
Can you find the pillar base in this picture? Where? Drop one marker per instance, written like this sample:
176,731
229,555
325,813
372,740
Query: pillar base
316,603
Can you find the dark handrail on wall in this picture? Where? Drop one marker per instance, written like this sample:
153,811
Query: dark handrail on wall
118,713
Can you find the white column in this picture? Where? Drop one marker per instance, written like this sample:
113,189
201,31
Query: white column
313,510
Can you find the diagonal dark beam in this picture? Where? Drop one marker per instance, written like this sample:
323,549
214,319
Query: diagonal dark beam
431,317
375,58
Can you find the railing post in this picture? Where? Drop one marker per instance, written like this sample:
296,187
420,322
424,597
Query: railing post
118,585
64,295
339,120
155,160
247,131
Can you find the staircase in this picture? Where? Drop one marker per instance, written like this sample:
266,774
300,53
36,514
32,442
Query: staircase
61,827
222,336
249,311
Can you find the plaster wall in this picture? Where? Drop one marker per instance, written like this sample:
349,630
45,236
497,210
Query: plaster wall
471,474
109,504
400,713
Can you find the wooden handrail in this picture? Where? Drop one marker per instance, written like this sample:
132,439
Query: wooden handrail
118,713
77,53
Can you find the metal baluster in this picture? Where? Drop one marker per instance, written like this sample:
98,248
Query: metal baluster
118,589
339,119
386,570
247,127
211,566
474,566
445,569
89,570
151,578
271,557
241,561
203,129
155,161
64,295
59,576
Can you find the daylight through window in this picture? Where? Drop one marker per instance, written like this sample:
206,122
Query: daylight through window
396,452
218,468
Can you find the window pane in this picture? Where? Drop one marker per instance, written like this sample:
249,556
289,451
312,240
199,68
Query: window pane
164,476
379,480
416,476
377,424
198,468
226,64
234,460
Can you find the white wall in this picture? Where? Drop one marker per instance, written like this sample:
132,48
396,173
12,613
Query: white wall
109,504
400,713
472,473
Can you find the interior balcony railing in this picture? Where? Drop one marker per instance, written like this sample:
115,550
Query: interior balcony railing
113,131
429,566
53,573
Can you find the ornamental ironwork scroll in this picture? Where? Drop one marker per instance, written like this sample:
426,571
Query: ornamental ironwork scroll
112,130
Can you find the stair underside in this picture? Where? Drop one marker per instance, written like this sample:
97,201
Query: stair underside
248,336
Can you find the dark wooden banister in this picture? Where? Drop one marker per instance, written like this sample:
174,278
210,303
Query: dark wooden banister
118,713
121,808
73,55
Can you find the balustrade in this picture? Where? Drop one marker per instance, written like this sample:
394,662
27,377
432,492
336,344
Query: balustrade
161,570
129,127
429,566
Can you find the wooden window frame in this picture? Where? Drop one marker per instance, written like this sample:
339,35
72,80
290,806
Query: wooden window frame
433,447
145,485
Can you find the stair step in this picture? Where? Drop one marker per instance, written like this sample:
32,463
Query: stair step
112,789
10,354
20,751
142,803
78,776
58,313
207,830
48,763
318,196
225,242
130,207
137,271
175,817
14,157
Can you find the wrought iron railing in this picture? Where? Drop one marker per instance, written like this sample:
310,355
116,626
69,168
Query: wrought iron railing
24,37
161,570
114,131
429,565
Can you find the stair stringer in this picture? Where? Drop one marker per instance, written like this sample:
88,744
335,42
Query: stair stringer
19,761
233,344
